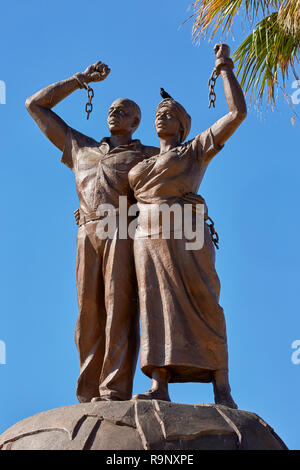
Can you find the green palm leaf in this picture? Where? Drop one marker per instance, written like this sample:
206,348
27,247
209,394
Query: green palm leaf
289,17
211,15
267,52
265,57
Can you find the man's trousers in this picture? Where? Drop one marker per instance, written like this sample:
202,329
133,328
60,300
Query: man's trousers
106,334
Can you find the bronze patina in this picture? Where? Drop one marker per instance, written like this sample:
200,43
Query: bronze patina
183,331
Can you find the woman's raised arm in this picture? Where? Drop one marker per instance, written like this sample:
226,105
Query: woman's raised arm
226,126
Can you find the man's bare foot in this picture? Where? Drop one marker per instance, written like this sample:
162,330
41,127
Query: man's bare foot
152,395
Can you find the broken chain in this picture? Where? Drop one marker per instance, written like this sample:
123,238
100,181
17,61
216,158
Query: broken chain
90,95
213,233
211,84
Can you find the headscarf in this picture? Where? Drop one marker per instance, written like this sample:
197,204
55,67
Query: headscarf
183,117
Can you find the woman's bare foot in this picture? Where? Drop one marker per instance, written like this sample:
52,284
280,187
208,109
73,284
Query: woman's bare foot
107,398
223,397
159,389
153,395
93,400
222,390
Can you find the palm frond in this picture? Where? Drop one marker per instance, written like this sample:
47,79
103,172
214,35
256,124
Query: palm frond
289,17
266,53
211,15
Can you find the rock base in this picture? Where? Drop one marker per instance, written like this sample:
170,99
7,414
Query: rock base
141,425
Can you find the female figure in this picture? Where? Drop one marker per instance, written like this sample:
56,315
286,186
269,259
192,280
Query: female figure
183,333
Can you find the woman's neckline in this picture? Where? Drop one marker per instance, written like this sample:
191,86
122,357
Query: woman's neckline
170,150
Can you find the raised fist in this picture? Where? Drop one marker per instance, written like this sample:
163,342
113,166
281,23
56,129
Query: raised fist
95,72
222,51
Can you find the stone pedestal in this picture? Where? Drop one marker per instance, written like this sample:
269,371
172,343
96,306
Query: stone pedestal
141,425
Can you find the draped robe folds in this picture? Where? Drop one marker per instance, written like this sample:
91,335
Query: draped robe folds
182,324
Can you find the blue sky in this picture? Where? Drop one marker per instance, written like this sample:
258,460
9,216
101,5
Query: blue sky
251,188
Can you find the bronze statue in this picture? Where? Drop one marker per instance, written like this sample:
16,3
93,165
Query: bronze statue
183,333
106,333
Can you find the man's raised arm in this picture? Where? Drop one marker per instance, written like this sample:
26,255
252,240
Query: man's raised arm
39,105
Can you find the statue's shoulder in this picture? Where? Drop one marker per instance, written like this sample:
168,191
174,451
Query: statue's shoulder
81,138
150,150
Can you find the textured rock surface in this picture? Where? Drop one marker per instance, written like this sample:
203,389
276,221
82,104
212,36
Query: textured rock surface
141,425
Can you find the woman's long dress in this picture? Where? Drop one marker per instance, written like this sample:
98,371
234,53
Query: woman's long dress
182,323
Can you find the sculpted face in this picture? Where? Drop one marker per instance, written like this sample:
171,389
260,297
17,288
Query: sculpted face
123,117
166,122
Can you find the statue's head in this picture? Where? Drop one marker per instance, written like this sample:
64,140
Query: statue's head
172,119
124,117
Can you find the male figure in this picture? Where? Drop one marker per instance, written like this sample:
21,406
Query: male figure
106,332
